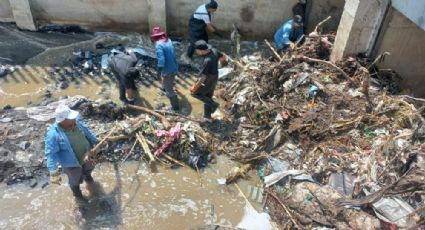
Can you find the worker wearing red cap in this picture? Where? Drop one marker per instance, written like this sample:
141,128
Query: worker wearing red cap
167,64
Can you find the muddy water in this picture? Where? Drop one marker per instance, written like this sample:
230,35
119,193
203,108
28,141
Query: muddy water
28,85
129,197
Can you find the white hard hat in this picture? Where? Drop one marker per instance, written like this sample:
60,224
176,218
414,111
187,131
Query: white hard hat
63,112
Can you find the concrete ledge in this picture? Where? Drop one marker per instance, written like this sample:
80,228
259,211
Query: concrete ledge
22,14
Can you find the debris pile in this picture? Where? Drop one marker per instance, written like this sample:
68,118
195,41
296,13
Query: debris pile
6,69
333,148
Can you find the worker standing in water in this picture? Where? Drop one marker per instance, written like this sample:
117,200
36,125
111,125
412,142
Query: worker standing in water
167,65
200,23
204,88
67,143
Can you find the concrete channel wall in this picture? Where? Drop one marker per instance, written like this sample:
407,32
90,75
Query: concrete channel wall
96,14
406,43
6,14
256,18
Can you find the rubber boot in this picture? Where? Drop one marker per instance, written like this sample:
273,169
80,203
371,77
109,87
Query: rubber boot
88,178
207,111
214,108
76,191
174,101
130,102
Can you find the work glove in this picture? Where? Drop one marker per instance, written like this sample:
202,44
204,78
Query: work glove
292,45
55,178
218,34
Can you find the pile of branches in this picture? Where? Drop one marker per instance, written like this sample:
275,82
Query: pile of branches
324,118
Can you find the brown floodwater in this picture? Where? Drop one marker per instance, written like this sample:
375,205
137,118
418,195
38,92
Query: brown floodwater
129,196
28,85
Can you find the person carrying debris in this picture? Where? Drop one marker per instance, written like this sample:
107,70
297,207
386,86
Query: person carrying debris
289,34
204,88
67,143
200,24
167,64
123,67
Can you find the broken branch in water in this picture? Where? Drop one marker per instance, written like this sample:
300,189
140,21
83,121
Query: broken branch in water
147,150
163,119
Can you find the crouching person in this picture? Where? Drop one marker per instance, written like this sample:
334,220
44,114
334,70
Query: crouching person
123,67
67,143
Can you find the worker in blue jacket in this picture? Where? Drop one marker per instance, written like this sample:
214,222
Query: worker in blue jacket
167,65
289,34
67,143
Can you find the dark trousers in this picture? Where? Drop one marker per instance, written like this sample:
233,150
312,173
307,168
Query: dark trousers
77,174
124,82
209,103
193,39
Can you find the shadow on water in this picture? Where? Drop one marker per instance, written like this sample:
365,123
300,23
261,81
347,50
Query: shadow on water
185,105
103,209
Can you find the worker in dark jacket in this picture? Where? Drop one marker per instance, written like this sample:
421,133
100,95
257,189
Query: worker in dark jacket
289,34
123,67
167,64
200,24
204,88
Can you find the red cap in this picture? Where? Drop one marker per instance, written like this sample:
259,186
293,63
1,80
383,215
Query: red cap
156,32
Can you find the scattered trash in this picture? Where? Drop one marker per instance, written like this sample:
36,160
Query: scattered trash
394,210
225,73
342,182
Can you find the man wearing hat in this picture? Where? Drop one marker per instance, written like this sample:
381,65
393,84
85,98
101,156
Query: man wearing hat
204,88
67,143
123,67
289,34
200,24
167,64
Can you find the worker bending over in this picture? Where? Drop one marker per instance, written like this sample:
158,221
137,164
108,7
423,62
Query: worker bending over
289,34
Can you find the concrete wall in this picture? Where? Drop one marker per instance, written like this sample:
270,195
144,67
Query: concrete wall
255,18
414,10
321,9
6,14
95,14
406,43
359,26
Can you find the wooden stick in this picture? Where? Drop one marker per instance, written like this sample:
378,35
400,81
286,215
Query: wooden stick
93,151
163,119
181,115
344,74
129,152
243,195
273,50
170,158
147,150
321,23
117,138
286,209
199,176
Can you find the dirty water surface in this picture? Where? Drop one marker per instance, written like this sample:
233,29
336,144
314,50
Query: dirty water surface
29,85
129,196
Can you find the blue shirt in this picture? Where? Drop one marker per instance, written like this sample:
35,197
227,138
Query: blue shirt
166,55
57,147
282,35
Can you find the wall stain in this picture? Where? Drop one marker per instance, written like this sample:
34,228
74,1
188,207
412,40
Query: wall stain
247,13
